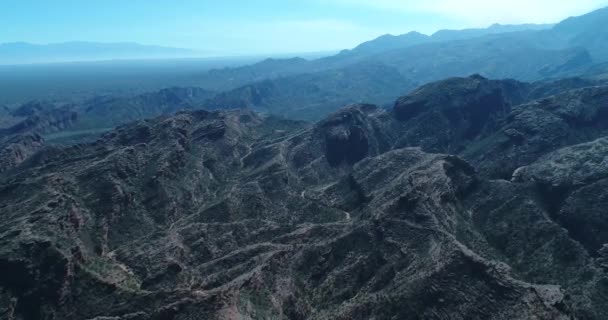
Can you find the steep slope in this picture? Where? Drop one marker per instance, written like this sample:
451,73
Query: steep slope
446,115
499,125
453,114
531,130
16,148
25,126
581,170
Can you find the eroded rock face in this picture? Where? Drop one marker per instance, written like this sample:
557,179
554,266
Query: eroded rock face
584,214
39,117
350,135
532,130
443,115
14,149
569,166
23,139
477,118
575,177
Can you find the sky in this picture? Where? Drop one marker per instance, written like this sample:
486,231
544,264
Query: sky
243,27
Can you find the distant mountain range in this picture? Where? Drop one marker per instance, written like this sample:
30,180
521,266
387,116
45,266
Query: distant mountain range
575,47
389,42
26,53
376,71
23,52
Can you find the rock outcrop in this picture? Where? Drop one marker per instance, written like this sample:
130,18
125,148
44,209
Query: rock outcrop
445,116
534,129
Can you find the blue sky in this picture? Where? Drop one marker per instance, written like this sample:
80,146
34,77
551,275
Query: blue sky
237,27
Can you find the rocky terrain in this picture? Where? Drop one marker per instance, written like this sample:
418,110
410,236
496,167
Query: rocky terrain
110,111
21,134
470,199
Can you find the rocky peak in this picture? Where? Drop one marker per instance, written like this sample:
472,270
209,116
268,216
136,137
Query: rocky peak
459,96
441,116
349,135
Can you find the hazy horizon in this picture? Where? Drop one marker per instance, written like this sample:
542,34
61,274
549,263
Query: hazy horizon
236,28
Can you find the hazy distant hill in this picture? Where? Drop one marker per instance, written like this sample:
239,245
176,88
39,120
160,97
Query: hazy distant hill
310,96
107,111
22,52
390,42
525,52
380,70
446,35
589,31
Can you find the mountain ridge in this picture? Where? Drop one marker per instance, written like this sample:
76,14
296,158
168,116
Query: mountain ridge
528,55
389,42
28,53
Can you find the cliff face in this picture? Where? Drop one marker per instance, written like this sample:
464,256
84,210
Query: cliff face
228,214
15,149
22,138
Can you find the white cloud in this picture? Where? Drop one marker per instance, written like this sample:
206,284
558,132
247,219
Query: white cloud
483,12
